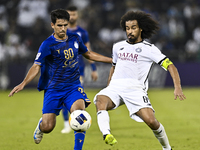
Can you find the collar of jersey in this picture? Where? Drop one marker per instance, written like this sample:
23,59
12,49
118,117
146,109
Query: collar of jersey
73,29
60,40
134,43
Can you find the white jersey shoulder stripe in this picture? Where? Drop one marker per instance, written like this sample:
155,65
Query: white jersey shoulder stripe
146,43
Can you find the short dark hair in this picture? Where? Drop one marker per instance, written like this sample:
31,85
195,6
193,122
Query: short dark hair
148,25
72,8
59,14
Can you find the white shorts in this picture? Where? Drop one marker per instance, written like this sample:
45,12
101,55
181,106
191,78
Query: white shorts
134,99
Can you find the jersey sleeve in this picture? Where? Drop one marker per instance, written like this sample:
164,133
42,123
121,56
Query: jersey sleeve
114,54
43,51
82,48
85,37
156,55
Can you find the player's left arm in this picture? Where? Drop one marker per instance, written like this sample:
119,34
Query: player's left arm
94,73
167,64
97,57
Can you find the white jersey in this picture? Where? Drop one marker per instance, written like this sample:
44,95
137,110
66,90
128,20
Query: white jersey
133,63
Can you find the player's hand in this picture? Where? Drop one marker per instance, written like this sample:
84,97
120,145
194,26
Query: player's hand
16,89
94,75
178,93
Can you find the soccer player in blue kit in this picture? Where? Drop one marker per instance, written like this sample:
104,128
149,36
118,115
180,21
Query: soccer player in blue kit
57,60
74,28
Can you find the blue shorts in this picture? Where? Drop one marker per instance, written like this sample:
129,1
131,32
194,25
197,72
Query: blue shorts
55,99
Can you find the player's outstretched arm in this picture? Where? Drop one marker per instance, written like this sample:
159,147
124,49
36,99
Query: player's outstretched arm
177,83
33,71
97,57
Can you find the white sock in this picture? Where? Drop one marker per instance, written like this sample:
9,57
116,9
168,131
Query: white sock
66,124
103,121
162,137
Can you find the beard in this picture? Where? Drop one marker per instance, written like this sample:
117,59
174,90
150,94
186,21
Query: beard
72,21
132,39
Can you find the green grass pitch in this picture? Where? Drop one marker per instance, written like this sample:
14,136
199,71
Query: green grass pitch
19,116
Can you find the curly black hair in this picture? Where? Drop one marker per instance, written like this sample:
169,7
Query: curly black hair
148,25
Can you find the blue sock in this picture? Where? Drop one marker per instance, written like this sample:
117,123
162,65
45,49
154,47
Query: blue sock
65,113
79,140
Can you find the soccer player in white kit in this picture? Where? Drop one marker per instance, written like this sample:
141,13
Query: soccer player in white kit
128,79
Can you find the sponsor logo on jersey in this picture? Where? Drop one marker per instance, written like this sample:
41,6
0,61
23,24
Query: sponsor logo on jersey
128,56
138,49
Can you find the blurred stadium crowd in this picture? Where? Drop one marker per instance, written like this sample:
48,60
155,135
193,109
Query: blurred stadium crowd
24,24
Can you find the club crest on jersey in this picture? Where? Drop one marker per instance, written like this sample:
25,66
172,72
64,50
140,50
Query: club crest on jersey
76,45
138,50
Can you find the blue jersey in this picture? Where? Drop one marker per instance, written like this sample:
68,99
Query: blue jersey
59,62
85,38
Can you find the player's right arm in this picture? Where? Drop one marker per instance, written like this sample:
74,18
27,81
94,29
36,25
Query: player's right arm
32,73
